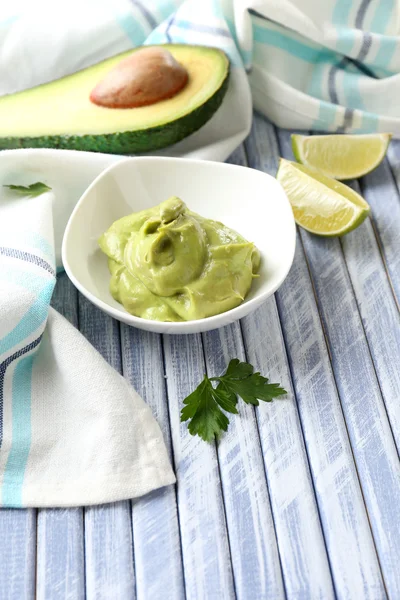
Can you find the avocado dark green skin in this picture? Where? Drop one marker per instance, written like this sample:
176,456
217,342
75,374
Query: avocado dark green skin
128,142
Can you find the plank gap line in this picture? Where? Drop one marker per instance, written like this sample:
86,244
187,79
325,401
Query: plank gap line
220,482
323,327
265,471
369,347
173,464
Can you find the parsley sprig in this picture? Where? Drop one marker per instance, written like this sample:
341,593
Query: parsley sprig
33,190
205,408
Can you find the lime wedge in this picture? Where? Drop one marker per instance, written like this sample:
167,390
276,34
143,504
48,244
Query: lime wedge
341,156
320,204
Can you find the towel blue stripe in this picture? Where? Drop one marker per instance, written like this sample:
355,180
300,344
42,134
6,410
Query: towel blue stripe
131,27
345,40
165,9
18,275
382,16
21,433
326,116
34,240
296,48
32,319
387,50
42,244
3,368
369,123
202,28
341,12
351,90
379,24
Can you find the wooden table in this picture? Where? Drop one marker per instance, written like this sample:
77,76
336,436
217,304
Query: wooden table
301,498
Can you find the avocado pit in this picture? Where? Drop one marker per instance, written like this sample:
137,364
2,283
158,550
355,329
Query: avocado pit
147,76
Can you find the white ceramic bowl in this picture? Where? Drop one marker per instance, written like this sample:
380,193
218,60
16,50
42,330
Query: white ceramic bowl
249,201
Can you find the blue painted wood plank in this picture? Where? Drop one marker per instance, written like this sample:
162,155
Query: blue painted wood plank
367,423
254,552
351,548
302,550
379,313
60,533
354,564
156,535
374,449
65,299
205,546
17,554
109,553
295,514
381,192
238,157
60,554
108,528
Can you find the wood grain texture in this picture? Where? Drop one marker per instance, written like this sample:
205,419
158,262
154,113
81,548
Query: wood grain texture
60,533
156,535
348,537
370,433
295,519
382,194
355,568
379,313
108,528
254,551
60,554
371,438
302,550
205,545
301,542
17,554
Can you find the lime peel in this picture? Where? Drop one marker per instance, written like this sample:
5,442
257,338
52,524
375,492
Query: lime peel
341,156
320,204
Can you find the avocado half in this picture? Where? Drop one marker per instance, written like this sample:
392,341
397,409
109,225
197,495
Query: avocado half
60,114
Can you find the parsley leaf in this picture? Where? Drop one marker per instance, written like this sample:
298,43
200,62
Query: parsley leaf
203,406
33,190
239,379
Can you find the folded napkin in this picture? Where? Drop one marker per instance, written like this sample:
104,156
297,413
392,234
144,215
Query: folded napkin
72,430
331,65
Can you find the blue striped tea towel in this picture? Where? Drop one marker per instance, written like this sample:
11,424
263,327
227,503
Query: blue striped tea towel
72,430
330,65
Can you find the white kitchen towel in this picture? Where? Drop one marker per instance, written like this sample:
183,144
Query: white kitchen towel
72,430
331,65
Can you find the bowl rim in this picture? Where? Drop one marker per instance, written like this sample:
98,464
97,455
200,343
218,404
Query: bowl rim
206,323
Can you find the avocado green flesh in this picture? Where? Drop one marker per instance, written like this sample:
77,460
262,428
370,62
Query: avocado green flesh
60,114
170,264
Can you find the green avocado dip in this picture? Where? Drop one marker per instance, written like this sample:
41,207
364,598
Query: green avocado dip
169,264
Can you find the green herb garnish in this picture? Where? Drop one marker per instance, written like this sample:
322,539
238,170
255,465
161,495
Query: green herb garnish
33,190
203,406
